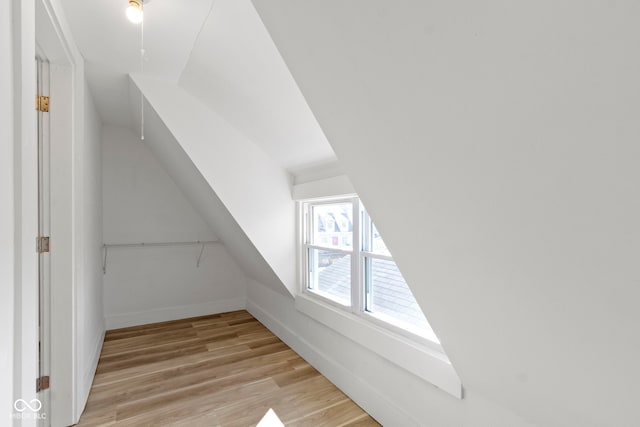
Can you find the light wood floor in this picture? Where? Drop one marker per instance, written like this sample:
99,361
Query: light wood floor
220,370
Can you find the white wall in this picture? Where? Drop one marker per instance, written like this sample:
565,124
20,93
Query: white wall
76,317
89,297
204,199
7,234
18,223
25,187
254,189
388,392
495,145
235,69
143,204
64,230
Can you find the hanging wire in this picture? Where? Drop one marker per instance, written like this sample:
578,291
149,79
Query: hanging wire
142,71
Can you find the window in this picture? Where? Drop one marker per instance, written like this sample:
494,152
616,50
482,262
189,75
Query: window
347,264
329,250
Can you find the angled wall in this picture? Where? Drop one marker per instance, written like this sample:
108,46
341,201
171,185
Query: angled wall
236,70
388,392
235,181
495,146
89,296
149,284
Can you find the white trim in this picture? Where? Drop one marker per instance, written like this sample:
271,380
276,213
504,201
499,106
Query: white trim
359,252
329,187
63,281
357,292
55,11
301,238
65,373
375,255
369,398
303,221
123,320
327,298
87,378
422,361
427,338
26,208
8,242
329,248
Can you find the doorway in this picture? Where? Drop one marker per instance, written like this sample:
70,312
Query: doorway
54,355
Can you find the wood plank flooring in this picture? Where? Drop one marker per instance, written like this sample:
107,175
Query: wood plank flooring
220,370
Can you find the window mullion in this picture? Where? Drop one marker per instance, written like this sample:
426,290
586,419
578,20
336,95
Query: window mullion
324,242
356,262
306,239
377,256
366,267
341,250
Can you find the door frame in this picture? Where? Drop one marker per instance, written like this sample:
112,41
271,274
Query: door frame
44,229
53,39
25,209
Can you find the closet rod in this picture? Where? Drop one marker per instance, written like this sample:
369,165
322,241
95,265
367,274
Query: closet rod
106,247
129,245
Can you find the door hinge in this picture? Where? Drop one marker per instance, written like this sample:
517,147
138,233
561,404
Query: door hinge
42,103
42,383
42,244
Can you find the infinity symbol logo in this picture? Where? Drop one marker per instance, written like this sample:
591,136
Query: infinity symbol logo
21,405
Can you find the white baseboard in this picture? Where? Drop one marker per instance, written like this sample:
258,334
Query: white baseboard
88,375
123,320
370,399
93,365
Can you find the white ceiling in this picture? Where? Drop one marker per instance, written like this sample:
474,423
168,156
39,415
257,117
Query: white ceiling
219,51
110,45
236,69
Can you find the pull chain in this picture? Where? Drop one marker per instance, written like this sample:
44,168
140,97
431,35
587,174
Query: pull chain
142,71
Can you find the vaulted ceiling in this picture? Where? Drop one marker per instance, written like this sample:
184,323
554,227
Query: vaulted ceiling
217,50
494,144
110,45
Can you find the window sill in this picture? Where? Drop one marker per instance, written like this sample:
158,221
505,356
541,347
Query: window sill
422,361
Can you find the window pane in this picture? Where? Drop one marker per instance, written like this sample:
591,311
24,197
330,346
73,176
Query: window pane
390,299
330,274
332,225
377,244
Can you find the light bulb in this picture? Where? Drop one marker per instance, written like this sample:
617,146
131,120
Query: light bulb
134,12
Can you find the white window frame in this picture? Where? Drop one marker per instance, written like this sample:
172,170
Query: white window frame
306,245
427,362
358,255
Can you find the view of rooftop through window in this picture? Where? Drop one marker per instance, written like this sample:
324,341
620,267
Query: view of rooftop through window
336,263
330,261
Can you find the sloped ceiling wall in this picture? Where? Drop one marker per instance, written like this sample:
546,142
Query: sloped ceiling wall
236,70
253,124
233,185
496,147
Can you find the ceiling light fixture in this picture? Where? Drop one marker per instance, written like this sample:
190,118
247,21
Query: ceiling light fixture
134,11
